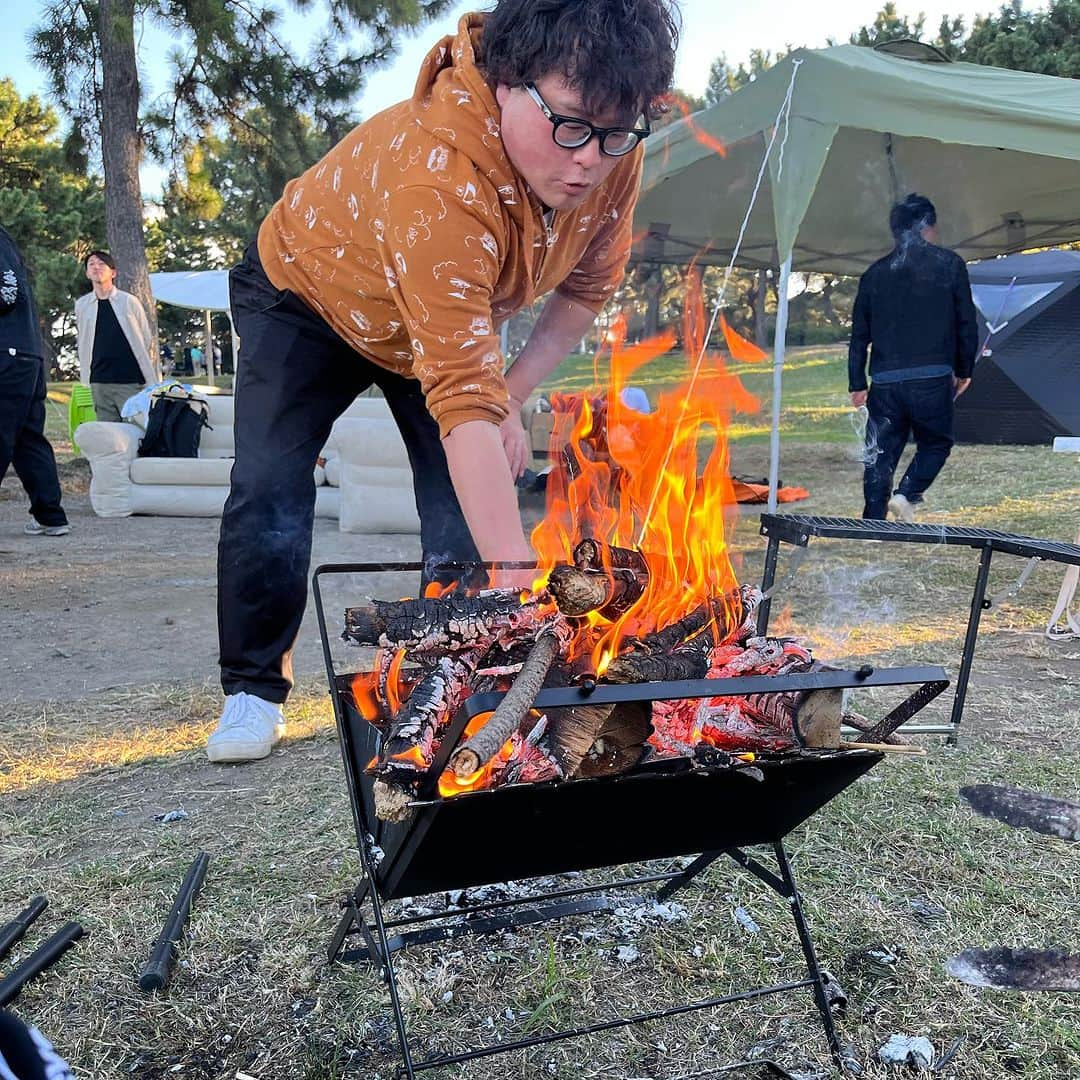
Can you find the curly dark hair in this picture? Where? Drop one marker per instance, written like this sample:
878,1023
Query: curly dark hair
616,53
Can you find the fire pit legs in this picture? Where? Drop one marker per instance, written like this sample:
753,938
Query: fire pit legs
379,946
818,982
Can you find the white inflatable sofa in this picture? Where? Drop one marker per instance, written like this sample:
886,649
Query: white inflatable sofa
365,483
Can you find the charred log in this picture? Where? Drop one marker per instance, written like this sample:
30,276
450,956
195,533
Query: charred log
613,593
619,744
573,731
511,711
391,801
689,661
410,739
593,554
446,624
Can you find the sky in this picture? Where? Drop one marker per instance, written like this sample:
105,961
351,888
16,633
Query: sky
710,27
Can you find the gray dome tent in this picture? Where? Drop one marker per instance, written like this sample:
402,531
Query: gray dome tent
1027,382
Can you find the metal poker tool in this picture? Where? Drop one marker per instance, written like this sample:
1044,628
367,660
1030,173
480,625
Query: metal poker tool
42,958
13,931
155,974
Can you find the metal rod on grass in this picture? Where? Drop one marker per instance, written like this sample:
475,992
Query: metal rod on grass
12,933
42,958
159,967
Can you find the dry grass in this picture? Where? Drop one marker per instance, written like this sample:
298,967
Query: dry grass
84,785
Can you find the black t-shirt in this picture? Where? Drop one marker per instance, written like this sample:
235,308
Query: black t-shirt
112,360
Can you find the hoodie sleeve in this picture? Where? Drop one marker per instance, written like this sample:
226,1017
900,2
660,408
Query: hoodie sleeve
860,337
600,270
442,258
967,325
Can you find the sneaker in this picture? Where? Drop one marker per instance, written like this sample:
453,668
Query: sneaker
35,528
248,729
901,508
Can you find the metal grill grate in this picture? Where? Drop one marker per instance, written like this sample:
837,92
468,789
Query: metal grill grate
798,528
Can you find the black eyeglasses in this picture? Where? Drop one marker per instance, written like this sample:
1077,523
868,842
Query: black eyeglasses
571,132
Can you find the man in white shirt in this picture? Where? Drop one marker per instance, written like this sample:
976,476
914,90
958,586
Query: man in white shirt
114,340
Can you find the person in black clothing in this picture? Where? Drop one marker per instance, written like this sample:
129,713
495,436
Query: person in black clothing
915,312
22,396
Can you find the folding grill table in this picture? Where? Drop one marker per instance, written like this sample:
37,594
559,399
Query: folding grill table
712,806
796,529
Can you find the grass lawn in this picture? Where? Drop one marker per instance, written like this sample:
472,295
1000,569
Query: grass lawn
897,873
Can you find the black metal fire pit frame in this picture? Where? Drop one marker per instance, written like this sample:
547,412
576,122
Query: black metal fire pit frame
749,804
797,529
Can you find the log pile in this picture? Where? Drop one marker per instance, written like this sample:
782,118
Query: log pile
436,653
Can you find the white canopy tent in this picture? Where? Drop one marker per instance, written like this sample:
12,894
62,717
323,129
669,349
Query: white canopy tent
201,290
997,151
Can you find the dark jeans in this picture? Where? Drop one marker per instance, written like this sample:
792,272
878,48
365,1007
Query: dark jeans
295,378
919,407
22,435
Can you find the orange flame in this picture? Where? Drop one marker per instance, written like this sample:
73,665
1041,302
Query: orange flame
636,480
363,692
710,142
739,347
413,754
449,784
393,681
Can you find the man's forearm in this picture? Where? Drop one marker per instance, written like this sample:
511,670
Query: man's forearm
560,327
856,367
481,477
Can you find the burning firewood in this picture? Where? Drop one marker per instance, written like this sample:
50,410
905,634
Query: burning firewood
409,742
682,650
604,578
450,623
507,718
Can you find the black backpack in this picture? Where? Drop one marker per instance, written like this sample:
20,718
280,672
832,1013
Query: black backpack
174,426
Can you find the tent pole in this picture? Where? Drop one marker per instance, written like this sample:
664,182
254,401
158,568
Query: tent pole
779,345
208,356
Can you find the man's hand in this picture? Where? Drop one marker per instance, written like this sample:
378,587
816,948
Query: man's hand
858,398
515,441
959,386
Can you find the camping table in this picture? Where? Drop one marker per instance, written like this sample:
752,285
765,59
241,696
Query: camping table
796,529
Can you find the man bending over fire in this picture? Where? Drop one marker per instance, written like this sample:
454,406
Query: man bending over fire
511,172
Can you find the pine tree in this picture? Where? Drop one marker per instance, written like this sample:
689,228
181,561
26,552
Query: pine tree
53,210
229,59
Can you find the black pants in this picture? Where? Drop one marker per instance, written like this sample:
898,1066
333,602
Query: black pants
296,377
919,407
22,435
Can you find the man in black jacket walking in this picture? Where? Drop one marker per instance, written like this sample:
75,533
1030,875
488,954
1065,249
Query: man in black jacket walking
22,397
915,313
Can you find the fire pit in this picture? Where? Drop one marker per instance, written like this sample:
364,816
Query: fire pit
629,676
723,801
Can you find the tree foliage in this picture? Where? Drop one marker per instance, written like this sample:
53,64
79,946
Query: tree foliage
54,211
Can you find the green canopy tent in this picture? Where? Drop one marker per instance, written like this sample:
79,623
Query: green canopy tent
996,151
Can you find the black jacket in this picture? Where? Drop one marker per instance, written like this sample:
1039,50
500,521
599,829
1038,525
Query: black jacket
19,330
915,308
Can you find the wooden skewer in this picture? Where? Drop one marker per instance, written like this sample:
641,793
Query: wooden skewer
885,748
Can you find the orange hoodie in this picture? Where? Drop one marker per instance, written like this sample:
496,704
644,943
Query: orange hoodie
414,238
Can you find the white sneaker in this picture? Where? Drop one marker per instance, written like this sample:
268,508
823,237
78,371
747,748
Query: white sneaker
35,528
901,508
248,729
